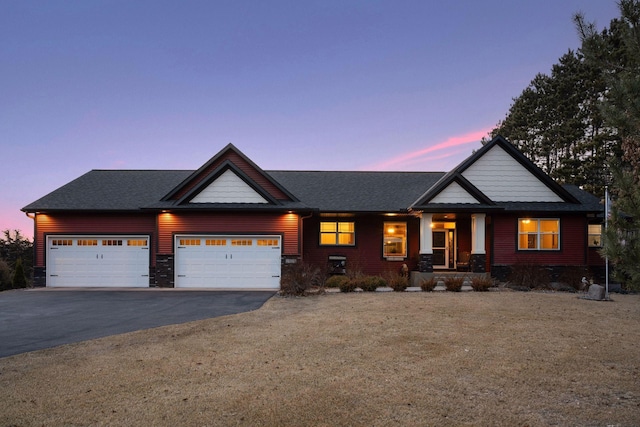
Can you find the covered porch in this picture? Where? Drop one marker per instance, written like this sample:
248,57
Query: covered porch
451,241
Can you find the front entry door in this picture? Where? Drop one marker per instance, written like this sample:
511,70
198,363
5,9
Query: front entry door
440,249
443,248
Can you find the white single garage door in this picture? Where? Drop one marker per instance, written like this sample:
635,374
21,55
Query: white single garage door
97,261
227,262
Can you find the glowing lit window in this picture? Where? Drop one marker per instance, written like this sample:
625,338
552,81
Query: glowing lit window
595,235
137,242
62,242
109,242
538,234
395,239
189,242
337,233
216,242
87,242
268,242
241,242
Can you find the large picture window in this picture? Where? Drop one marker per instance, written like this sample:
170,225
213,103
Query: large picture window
538,234
395,239
337,233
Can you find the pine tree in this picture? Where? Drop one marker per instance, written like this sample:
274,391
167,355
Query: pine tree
19,278
556,122
618,50
14,246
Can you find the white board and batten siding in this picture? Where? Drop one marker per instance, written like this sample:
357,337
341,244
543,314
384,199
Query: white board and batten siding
503,179
454,193
98,261
228,188
228,262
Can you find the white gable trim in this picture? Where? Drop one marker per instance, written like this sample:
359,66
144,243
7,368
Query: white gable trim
503,179
228,188
454,193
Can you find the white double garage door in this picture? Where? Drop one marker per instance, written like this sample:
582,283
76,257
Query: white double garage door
201,261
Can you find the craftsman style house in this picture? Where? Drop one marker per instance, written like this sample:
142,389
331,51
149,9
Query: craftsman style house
231,224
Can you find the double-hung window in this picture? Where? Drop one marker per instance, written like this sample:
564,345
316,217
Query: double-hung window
538,234
337,233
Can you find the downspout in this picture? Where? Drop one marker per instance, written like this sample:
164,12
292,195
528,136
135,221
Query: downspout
301,234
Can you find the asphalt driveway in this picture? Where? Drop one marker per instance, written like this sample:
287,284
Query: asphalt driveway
35,319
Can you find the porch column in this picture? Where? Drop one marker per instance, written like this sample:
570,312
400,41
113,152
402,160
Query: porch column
426,243
478,258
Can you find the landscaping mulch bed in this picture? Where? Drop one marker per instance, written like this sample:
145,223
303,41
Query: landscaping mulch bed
374,359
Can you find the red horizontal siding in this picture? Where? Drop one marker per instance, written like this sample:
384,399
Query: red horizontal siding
245,167
89,224
594,258
366,255
572,242
228,223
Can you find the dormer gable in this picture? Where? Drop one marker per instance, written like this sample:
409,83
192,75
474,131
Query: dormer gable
229,177
454,193
227,184
228,187
453,188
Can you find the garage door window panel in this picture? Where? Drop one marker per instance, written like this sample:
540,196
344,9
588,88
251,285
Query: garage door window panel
241,242
216,242
137,242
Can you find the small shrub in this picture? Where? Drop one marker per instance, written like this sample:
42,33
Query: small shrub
348,285
335,281
19,277
429,284
397,282
453,283
370,283
298,278
481,283
358,282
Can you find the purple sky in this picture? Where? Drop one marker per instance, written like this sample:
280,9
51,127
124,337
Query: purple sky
320,85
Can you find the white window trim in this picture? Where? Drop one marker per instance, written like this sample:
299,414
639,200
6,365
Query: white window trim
337,234
538,234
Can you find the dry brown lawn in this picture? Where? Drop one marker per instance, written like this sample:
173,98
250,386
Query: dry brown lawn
406,359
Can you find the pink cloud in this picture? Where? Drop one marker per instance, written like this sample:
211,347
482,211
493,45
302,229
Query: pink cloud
419,155
419,160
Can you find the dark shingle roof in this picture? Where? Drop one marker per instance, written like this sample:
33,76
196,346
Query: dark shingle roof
356,191
327,191
111,190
